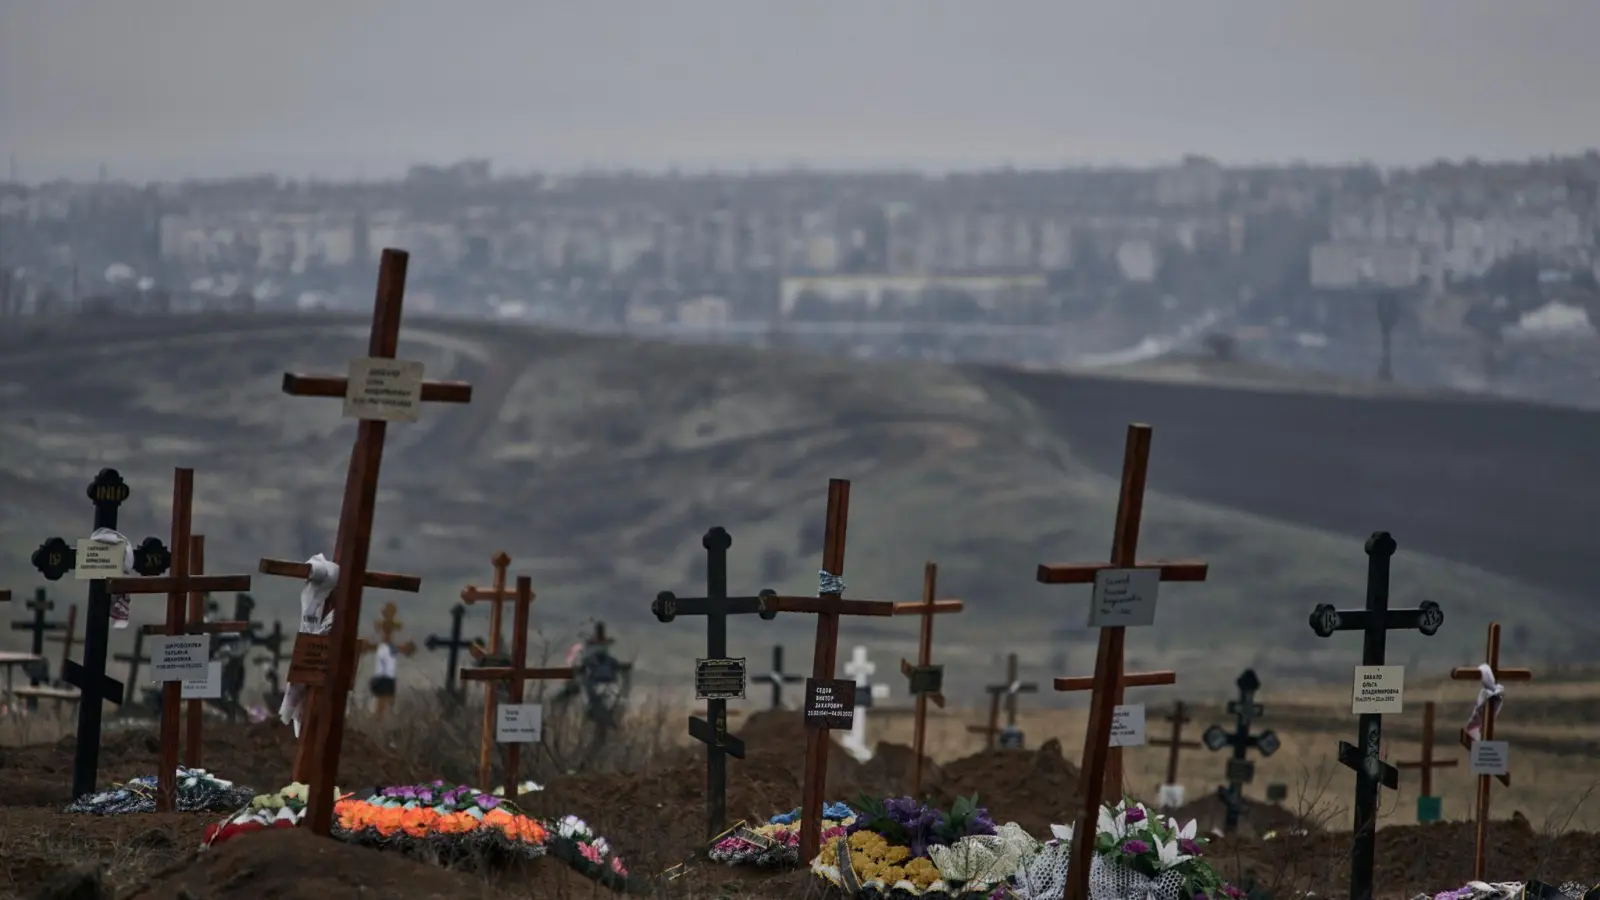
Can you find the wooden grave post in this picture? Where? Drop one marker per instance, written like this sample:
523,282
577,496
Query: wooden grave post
493,655
1374,621
1171,788
183,649
521,725
54,558
717,678
1429,806
309,661
378,389
1125,590
777,678
828,606
1241,771
1008,692
1480,731
194,707
926,679
386,626
38,626
67,637
453,646
134,660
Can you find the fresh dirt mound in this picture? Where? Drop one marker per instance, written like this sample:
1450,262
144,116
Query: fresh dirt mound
1034,788
259,755
1255,818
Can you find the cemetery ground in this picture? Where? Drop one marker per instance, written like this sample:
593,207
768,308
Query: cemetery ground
644,793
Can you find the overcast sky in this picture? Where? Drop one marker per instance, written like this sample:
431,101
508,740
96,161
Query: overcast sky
166,88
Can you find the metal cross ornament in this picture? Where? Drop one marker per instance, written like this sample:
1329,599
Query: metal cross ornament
453,645
1240,771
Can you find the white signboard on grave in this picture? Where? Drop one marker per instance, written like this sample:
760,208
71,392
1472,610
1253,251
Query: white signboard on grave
205,687
1378,689
519,723
179,657
99,560
1124,598
385,390
1491,758
1127,726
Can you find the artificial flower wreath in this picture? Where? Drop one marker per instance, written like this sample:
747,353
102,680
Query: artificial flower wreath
893,847
452,821
198,791
777,843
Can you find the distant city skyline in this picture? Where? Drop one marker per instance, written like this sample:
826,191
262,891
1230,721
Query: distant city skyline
165,89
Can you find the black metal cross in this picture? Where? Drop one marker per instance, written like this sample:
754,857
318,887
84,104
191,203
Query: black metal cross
1374,622
778,678
55,558
454,644
716,606
273,641
40,604
134,660
244,607
1240,771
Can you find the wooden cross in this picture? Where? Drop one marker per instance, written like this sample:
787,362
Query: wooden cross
516,674
355,521
68,636
496,596
182,580
1473,673
39,626
927,680
778,677
716,606
195,707
1179,717
1427,763
386,626
134,660
1010,690
1102,764
315,649
828,606
1375,621
453,645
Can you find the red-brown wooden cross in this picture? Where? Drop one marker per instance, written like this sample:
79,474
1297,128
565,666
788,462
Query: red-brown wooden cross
194,709
180,579
828,607
1464,673
497,596
386,625
516,674
1176,743
927,609
353,544
1102,764
1427,763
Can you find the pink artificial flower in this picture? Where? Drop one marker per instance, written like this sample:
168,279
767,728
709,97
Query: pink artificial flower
616,866
589,852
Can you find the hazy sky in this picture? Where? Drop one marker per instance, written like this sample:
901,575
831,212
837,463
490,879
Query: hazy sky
164,88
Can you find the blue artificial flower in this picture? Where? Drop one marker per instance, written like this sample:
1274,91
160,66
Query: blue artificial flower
787,818
837,811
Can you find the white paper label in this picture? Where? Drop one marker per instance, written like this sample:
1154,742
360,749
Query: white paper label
519,723
1491,758
179,657
1124,598
1127,726
98,560
1171,796
1378,689
207,687
384,390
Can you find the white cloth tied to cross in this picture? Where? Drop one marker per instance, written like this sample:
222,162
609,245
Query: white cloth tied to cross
121,605
384,665
1490,698
313,620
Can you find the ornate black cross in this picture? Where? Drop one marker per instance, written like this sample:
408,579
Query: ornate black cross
1241,771
38,625
134,660
55,558
716,606
1374,622
454,644
778,677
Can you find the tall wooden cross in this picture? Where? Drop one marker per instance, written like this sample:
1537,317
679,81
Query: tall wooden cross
314,649
1006,692
378,389
493,654
927,679
195,707
453,645
777,678
1179,717
1427,803
1490,706
828,606
386,626
1375,621
40,605
181,581
1102,763
1240,770
718,686
516,675
54,558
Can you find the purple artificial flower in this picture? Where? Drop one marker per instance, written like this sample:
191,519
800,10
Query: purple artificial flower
1135,847
1233,892
487,801
438,784
425,795
1135,815
409,793
1190,846
1201,895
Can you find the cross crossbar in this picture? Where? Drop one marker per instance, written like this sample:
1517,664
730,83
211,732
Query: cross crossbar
382,581
1084,573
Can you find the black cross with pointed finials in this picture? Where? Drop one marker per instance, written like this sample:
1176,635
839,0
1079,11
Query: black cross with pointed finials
454,645
39,626
716,606
1240,770
777,678
1374,622
55,558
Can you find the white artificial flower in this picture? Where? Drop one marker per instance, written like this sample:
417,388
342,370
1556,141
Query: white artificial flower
600,845
1184,831
1112,823
1063,833
1167,855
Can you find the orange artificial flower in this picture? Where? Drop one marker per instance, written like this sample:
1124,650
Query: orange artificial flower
419,822
457,823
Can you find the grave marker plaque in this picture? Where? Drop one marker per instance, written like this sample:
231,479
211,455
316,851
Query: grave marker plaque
830,703
719,679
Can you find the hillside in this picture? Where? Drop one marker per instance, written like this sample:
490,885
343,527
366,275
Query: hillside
597,463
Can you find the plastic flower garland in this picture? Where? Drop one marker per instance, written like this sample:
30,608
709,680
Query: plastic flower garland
198,791
889,847
777,843
283,809
1516,890
453,820
576,844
